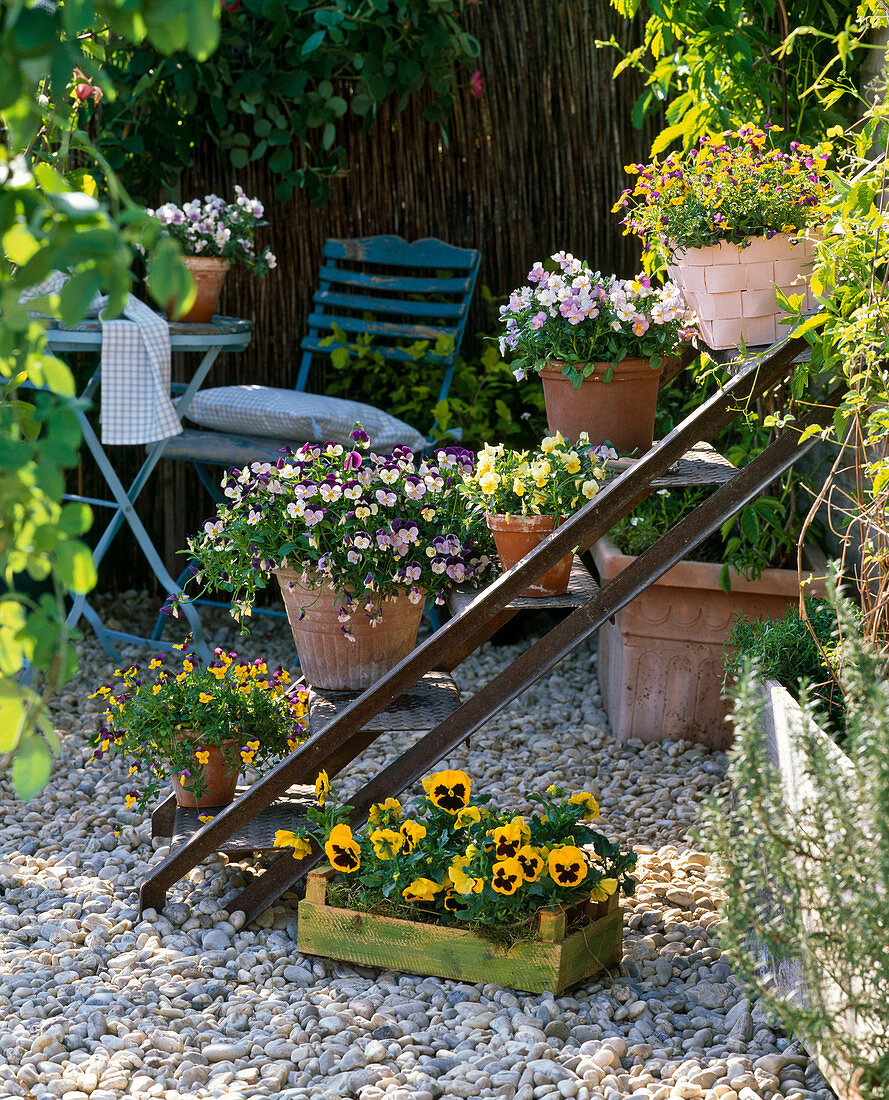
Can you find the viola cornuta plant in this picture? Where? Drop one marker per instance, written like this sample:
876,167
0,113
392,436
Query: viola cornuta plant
573,317
730,187
370,526
552,480
452,858
165,716
218,229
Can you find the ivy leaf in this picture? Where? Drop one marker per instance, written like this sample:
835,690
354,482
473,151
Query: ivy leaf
313,42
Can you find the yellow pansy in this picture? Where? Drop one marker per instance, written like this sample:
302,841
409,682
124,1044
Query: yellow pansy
386,843
464,883
421,889
342,849
449,790
381,811
205,697
413,832
567,865
506,876
603,889
202,756
322,787
284,838
531,861
585,799
469,815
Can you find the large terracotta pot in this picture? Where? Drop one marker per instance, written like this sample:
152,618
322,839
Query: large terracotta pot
661,658
326,656
732,289
515,537
620,412
220,777
209,274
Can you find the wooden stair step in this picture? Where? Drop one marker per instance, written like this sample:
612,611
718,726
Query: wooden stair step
421,708
581,587
258,835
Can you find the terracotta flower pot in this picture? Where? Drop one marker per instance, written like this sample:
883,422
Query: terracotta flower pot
732,289
515,537
209,274
620,412
220,777
661,659
328,659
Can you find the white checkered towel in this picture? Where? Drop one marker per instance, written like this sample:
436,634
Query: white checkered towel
136,405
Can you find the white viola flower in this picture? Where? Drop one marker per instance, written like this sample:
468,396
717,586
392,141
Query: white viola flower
295,508
214,528
520,375
271,259
547,298
330,493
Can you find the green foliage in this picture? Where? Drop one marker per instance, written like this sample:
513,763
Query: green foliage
792,651
164,717
50,219
711,66
281,87
483,402
806,870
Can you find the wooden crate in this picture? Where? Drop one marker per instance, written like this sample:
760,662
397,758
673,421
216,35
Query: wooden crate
552,961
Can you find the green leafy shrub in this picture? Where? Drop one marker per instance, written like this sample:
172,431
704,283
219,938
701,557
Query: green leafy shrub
785,650
280,86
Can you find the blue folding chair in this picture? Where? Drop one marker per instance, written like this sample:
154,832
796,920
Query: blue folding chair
398,293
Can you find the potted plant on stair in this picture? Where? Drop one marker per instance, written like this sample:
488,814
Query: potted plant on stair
213,235
526,495
598,344
358,542
458,887
198,725
729,218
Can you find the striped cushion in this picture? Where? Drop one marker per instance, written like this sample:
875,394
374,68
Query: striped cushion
299,417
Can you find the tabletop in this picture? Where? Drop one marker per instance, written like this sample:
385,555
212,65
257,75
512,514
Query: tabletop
221,332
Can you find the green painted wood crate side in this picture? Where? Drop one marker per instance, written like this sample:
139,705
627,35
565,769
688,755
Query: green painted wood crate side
369,939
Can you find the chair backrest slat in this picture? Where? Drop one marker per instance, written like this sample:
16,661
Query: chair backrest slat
388,329
329,299
405,284
367,285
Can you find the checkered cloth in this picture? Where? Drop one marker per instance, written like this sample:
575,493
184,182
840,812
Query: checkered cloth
136,405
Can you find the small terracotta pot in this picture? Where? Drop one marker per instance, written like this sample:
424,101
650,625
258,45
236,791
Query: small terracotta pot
620,412
732,289
326,656
209,274
220,777
515,537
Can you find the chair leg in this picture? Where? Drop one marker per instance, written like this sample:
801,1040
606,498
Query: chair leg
210,483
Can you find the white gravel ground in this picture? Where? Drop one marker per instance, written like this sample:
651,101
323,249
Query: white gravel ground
95,1002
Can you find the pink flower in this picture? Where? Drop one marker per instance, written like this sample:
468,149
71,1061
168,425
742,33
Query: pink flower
538,320
475,84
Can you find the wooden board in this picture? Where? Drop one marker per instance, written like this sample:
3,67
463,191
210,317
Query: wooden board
388,943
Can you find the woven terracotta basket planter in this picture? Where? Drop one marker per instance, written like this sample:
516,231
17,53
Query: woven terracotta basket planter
732,289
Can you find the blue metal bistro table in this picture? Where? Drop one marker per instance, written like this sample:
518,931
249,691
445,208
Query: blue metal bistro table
209,341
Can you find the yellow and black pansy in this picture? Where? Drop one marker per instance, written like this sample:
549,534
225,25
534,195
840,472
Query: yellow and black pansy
449,790
507,840
567,865
386,843
464,883
449,901
413,832
285,838
506,876
531,862
421,889
342,849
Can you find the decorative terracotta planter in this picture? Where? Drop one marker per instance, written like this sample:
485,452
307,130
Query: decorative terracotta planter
661,660
220,777
209,274
326,656
732,289
515,537
620,412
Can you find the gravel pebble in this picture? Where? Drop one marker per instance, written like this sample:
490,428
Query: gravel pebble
192,1002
